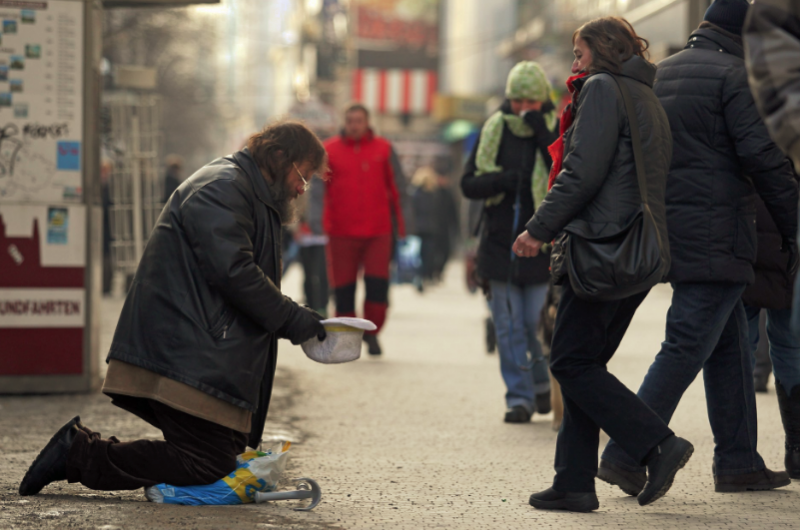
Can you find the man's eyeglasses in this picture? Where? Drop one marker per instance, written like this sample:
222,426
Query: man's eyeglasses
306,184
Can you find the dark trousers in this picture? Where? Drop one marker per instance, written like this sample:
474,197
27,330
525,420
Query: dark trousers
706,330
315,270
194,452
428,255
585,338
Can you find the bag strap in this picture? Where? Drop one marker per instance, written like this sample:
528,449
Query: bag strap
638,155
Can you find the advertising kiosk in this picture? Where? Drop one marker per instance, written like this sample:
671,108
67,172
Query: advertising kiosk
50,211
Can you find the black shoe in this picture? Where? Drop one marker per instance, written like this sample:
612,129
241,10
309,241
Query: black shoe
670,456
51,464
758,481
630,482
372,342
517,414
551,499
543,403
760,382
789,406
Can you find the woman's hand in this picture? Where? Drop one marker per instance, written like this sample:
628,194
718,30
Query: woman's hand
526,246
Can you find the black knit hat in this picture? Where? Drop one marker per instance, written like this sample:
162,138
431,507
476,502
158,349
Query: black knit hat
728,14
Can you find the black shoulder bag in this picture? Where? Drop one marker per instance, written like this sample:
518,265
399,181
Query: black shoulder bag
629,262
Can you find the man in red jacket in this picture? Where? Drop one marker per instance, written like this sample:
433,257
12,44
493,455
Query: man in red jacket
360,199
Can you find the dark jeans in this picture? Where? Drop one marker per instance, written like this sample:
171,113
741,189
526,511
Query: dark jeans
194,452
585,338
706,329
315,285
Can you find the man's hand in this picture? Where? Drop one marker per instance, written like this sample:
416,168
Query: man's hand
526,246
304,325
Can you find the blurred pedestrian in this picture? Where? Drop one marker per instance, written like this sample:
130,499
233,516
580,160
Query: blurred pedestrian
195,348
772,39
174,175
722,157
435,220
775,274
362,205
597,194
508,171
312,241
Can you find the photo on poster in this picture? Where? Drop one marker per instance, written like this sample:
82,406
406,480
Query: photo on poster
9,26
28,16
17,62
33,51
5,99
57,226
3,72
16,85
21,110
68,155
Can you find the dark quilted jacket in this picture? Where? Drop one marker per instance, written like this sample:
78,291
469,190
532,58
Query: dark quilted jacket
597,192
722,156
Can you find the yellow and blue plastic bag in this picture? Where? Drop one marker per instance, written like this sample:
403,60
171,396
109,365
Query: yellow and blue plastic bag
255,471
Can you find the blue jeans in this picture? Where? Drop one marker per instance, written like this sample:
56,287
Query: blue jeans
784,346
515,312
706,329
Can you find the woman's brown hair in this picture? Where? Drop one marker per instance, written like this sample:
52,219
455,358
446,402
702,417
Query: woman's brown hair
284,143
612,41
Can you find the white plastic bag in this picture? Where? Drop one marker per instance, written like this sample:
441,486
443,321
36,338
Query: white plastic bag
255,471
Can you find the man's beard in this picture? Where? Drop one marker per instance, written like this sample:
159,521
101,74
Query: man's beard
284,201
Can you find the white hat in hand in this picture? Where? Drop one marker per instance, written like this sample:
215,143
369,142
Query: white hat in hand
343,341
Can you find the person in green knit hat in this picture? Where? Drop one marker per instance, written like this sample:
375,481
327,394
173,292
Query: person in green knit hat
508,170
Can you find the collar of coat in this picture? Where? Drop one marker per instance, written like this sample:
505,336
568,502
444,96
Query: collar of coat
710,37
245,161
635,68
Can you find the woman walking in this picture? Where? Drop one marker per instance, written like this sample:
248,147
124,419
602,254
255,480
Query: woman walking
508,170
596,194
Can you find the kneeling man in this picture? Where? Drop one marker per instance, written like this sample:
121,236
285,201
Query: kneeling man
195,348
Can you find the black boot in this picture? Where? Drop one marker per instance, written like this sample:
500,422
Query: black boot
630,482
551,499
666,459
373,347
543,405
51,464
790,415
517,414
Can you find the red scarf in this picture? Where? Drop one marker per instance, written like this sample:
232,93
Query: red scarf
557,149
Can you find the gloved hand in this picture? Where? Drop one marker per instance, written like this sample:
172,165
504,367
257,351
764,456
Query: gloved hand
535,118
790,246
508,181
303,325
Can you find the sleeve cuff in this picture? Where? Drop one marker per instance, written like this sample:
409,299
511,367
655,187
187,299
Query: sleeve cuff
537,231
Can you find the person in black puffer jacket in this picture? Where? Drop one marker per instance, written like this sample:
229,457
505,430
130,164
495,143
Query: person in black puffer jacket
597,192
772,39
776,272
722,157
508,171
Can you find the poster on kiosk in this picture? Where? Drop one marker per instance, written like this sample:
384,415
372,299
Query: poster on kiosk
45,207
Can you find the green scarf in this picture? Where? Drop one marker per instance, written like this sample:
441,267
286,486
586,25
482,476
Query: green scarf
526,81
489,145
